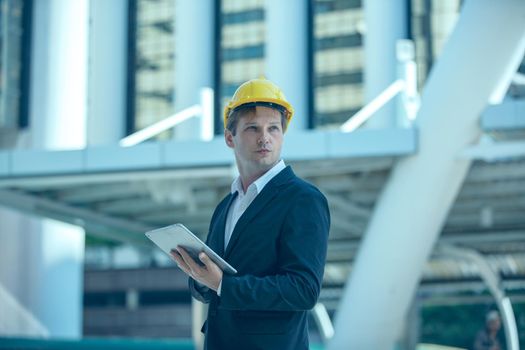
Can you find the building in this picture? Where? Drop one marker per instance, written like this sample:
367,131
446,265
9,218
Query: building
77,77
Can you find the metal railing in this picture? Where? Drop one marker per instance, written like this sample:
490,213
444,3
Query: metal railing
406,85
204,110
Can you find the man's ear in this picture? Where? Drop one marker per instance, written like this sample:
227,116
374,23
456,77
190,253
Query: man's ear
228,137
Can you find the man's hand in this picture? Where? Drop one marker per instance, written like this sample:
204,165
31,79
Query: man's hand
210,274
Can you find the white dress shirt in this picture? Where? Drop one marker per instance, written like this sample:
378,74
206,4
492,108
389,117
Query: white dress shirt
243,201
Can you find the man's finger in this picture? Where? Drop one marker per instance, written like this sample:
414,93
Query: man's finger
214,276
180,262
206,260
178,258
193,266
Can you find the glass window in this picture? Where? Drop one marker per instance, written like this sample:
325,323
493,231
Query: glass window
338,61
243,38
152,56
15,20
517,90
432,22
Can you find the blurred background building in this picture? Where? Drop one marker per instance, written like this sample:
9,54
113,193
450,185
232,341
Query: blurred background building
111,124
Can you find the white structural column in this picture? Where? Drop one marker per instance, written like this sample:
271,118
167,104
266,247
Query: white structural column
194,71
199,313
42,260
286,54
413,206
194,59
20,321
386,22
59,123
59,74
107,71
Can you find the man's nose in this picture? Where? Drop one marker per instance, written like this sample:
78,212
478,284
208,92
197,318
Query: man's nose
264,138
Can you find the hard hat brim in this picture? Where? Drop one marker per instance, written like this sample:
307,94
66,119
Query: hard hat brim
285,108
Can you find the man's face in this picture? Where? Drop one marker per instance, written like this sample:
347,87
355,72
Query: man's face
494,325
258,140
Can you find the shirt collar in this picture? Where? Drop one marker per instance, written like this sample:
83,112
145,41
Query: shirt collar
237,186
261,181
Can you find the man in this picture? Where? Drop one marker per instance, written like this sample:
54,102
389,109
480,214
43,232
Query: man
487,338
272,227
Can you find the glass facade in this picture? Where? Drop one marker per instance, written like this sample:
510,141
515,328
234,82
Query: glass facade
337,50
338,61
517,90
243,37
432,22
152,62
14,65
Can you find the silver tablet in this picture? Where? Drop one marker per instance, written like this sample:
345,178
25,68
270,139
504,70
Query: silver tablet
170,237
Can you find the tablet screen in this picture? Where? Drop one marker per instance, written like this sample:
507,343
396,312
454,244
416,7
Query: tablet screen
170,237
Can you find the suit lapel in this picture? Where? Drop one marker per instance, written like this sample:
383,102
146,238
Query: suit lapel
267,194
221,225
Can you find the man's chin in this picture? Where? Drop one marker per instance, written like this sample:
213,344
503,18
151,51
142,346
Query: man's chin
268,160
266,163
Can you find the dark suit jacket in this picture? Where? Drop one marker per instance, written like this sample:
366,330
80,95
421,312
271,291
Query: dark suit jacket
278,247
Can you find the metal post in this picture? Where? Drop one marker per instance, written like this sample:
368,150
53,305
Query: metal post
408,101
207,118
322,319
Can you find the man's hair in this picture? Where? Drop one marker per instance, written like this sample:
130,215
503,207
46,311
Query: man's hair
491,316
239,112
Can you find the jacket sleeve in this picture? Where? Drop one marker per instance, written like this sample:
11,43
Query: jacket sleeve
302,253
199,291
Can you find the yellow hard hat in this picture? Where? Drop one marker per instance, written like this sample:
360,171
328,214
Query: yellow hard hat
259,90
